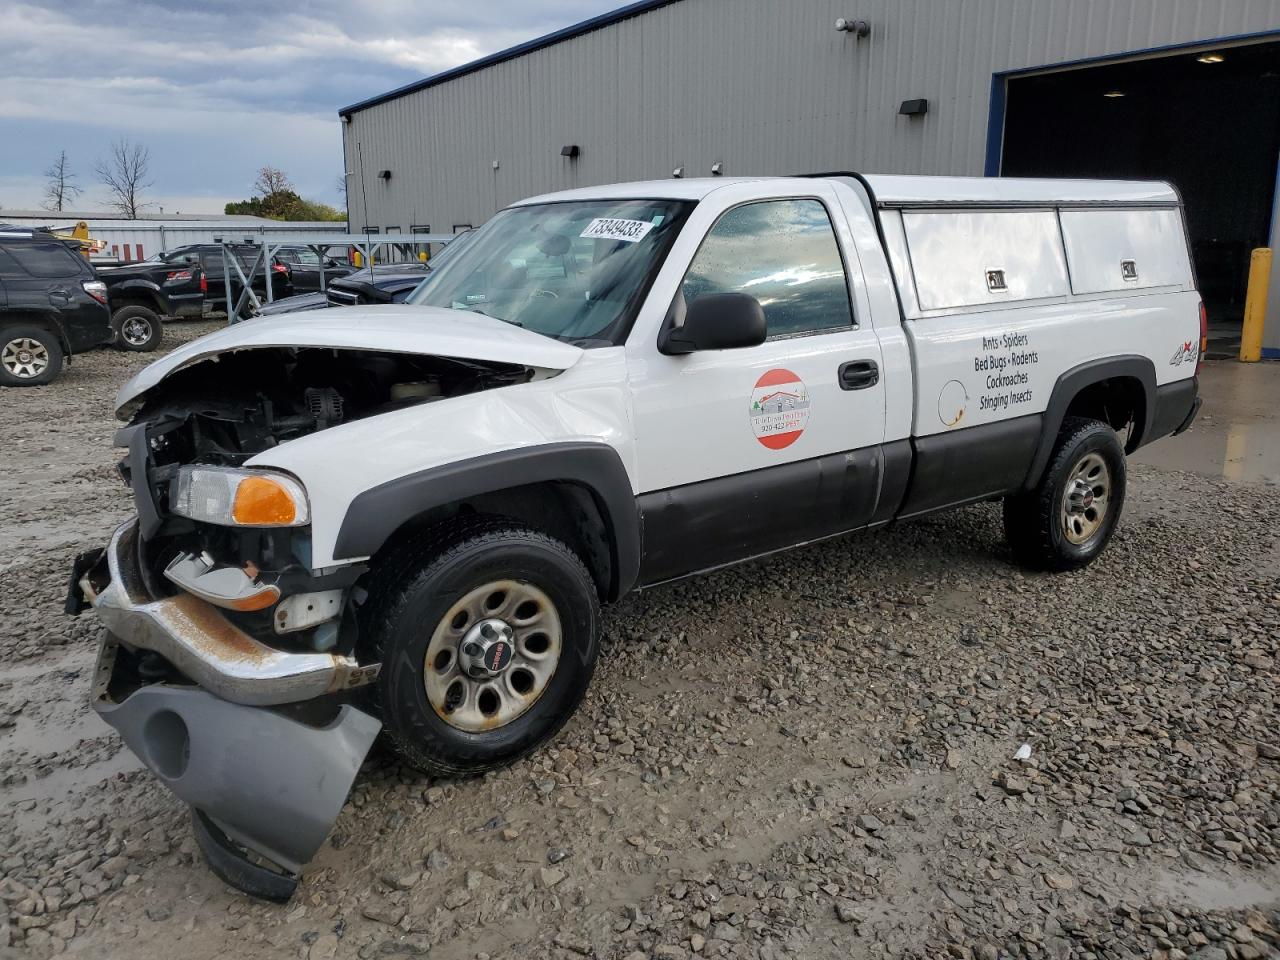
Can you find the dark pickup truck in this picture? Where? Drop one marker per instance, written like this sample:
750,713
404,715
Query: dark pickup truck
168,285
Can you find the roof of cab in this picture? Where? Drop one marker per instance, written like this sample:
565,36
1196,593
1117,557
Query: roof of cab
694,188
893,190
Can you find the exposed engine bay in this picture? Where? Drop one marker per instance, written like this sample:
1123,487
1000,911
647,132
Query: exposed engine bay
228,410
221,413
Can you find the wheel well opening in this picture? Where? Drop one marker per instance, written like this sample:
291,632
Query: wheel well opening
40,323
565,510
1117,401
134,299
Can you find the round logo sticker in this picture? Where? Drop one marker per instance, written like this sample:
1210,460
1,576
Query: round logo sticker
779,408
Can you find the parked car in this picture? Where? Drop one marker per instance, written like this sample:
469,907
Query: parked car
209,256
304,268
384,283
404,518
142,292
52,305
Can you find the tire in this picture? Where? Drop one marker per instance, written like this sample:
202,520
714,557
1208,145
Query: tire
137,328
30,355
461,568
1058,526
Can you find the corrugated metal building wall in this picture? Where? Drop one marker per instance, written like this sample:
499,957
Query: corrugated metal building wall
765,86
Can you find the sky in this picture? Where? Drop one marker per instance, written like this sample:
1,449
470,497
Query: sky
216,89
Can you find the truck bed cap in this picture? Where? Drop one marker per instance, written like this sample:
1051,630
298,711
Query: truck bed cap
892,190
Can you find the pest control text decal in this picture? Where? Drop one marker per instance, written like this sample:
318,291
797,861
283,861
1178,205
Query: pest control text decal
779,408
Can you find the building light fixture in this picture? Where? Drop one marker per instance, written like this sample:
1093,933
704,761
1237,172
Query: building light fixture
1210,58
1113,94
678,172
570,150
859,28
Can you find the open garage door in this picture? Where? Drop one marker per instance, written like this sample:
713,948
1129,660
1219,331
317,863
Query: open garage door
1207,121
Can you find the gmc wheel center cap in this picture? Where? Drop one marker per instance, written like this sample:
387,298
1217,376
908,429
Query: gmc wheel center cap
487,648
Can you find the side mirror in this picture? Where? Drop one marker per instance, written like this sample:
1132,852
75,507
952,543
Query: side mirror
717,321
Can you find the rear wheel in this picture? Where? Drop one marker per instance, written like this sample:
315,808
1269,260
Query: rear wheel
136,327
487,641
1066,521
30,356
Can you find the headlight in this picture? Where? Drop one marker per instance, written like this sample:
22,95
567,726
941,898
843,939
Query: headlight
239,498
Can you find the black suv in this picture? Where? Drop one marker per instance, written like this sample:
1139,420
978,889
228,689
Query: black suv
304,268
386,283
209,256
51,305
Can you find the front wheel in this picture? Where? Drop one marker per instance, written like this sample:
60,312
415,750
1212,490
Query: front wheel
488,640
1067,519
30,356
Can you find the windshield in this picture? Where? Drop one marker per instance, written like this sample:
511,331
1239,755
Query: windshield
574,271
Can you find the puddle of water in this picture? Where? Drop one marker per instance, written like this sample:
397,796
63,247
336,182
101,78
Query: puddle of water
73,661
1237,435
51,735
68,785
1207,891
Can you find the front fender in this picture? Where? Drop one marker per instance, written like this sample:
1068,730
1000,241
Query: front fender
406,460
377,513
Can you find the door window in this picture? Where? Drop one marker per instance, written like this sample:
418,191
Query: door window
48,260
9,267
783,253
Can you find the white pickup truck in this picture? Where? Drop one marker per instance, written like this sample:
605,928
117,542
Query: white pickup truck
405,518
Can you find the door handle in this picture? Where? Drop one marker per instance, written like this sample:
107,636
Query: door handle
859,374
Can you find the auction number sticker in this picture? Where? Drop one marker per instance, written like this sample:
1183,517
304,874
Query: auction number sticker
779,408
611,228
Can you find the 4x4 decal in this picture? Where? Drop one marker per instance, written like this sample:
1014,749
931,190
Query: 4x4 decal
1187,353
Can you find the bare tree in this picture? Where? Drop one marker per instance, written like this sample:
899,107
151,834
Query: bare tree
270,180
125,173
60,189
342,186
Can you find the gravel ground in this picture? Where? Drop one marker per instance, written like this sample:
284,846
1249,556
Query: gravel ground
809,757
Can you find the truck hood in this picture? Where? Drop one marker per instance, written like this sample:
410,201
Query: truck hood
426,331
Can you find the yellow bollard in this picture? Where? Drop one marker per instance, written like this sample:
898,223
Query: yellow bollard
1255,305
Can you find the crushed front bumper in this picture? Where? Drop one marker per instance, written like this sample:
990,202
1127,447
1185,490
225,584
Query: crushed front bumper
258,777
195,637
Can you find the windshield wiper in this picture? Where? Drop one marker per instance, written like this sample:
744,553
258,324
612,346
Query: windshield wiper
514,323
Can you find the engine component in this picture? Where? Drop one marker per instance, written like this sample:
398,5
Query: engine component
325,405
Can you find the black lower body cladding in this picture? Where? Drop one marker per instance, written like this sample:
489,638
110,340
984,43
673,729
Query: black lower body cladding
1177,404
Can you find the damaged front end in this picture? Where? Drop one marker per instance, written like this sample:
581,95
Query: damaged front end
260,740
232,666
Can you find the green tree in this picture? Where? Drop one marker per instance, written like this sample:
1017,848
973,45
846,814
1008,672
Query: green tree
277,200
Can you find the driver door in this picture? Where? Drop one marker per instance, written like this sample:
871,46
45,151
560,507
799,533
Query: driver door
744,451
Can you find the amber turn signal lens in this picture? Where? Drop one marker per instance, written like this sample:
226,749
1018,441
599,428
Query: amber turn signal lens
263,502
258,601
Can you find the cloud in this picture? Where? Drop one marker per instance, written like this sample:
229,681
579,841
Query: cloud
219,88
